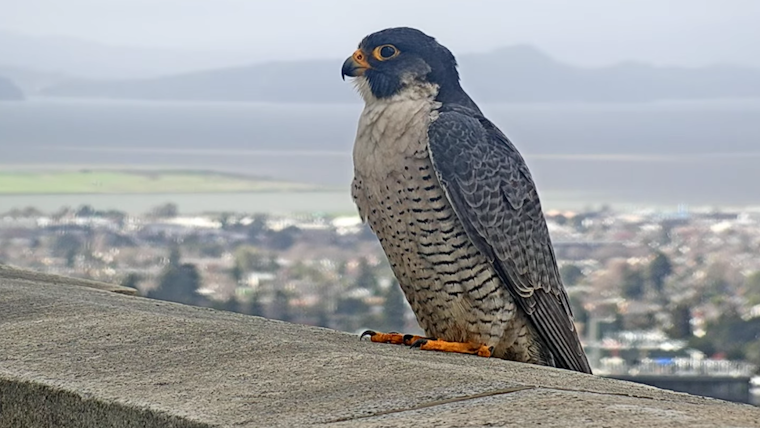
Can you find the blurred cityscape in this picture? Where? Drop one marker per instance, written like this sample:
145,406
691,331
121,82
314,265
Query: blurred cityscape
654,293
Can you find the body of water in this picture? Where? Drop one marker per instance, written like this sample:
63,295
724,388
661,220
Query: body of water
702,153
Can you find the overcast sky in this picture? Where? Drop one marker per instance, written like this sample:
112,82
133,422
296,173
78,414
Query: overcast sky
585,32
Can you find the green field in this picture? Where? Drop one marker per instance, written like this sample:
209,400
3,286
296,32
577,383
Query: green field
136,182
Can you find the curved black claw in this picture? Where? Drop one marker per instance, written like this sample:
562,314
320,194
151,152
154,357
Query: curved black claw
490,351
369,333
418,343
407,339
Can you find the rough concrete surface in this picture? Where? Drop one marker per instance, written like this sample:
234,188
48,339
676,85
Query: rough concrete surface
10,272
72,356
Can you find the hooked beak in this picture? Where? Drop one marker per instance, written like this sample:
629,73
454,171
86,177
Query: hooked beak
355,65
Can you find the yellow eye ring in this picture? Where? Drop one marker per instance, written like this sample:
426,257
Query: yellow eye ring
385,52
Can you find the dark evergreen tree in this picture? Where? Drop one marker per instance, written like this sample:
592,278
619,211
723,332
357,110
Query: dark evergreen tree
366,278
570,274
752,289
580,314
351,306
168,210
71,257
236,273
175,256
283,239
732,336
254,306
179,282
394,308
633,283
681,320
658,270
66,244
281,309
230,305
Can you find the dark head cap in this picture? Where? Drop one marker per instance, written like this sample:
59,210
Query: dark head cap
395,57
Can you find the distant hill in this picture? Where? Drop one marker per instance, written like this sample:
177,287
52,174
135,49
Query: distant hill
70,56
9,91
31,81
513,74
308,81
522,73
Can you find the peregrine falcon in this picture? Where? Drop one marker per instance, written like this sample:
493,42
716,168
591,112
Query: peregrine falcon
455,209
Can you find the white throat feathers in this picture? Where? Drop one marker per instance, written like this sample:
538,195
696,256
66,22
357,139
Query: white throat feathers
393,128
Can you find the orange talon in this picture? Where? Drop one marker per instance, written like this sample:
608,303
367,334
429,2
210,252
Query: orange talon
393,338
460,348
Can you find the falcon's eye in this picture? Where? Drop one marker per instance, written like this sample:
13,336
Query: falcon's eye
385,52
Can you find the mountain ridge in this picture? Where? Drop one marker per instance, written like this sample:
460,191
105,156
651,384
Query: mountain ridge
63,55
519,73
10,91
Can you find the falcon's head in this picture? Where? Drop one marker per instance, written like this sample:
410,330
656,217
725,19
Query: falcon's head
393,59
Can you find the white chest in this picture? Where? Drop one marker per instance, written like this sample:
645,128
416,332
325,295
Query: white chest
391,130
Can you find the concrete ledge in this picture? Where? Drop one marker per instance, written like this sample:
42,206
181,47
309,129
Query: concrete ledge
28,403
81,357
10,272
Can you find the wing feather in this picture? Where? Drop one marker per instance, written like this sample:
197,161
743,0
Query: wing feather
492,192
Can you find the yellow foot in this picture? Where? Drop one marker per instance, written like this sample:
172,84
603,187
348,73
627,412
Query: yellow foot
394,338
461,348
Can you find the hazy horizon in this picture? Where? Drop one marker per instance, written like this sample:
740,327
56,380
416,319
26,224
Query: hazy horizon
588,33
